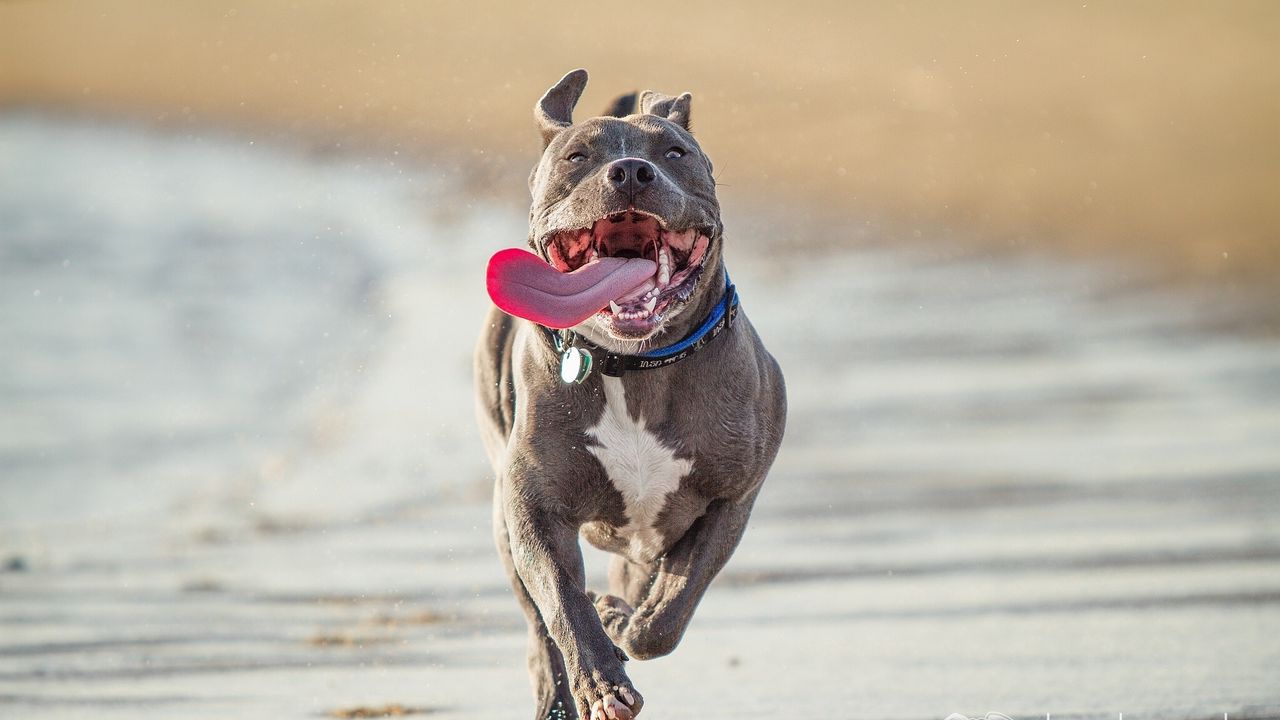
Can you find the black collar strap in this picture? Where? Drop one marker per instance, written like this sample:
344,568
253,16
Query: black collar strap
614,365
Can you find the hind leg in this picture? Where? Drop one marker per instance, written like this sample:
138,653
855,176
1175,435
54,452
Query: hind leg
546,664
630,580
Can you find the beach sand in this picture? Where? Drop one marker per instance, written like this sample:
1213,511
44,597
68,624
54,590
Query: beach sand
241,477
240,259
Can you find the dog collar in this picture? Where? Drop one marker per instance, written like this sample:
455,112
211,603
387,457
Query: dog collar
578,355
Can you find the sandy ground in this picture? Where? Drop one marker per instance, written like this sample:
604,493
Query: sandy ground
238,470
240,476
1142,128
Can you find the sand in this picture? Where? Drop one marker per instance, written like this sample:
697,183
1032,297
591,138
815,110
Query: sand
241,252
241,478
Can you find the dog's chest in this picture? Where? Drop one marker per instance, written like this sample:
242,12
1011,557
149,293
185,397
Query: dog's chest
640,466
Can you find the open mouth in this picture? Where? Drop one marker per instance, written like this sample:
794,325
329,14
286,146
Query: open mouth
632,234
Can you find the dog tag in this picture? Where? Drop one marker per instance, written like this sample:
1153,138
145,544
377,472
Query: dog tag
575,365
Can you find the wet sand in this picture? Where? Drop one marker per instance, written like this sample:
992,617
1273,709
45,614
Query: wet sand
1009,484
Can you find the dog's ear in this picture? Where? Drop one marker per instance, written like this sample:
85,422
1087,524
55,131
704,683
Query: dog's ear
623,106
675,109
554,112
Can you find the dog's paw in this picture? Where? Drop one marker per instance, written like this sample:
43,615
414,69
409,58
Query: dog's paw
605,693
614,614
605,701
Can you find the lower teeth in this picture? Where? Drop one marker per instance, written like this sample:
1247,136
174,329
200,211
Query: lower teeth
634,315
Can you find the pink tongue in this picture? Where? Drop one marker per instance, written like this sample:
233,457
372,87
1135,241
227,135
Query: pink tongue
521,284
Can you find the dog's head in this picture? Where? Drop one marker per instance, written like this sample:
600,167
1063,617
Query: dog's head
627,185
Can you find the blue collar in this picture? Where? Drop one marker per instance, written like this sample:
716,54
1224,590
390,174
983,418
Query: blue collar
583,354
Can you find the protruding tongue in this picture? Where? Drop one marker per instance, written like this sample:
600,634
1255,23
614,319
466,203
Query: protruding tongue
521,284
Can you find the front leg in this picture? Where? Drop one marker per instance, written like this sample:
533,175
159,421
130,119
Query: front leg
548,560
667,593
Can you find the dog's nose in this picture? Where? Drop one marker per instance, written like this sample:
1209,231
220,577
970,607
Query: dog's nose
630,175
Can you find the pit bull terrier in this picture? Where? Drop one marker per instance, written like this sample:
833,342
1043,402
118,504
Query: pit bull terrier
647,427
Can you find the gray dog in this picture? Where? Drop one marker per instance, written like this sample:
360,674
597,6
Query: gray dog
647,429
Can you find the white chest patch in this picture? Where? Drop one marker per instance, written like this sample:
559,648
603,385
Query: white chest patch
638,464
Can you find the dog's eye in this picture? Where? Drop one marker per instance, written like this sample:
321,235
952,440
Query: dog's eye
576,157
674,153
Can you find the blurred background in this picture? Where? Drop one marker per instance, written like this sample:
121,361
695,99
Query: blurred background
1019,262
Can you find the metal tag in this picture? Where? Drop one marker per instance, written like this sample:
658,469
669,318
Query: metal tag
575,365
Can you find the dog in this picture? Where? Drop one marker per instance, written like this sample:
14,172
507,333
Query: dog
646,429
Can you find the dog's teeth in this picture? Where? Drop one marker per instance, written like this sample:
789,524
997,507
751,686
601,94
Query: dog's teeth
664,267
648,307
614,307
